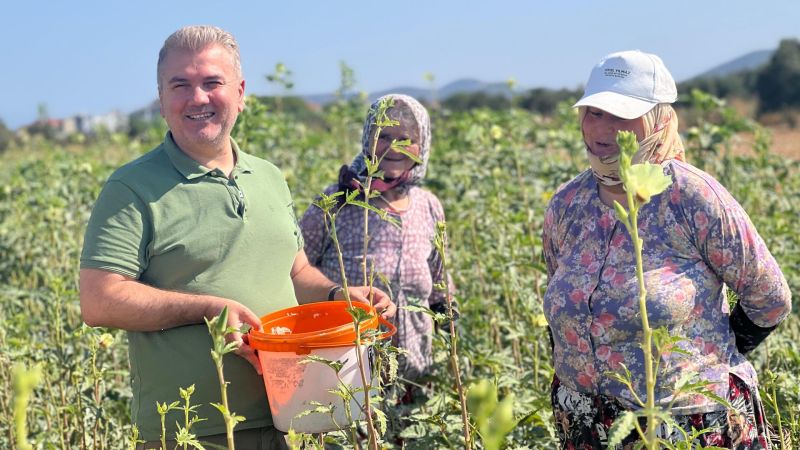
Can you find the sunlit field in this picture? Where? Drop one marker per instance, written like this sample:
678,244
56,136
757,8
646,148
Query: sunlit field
65,386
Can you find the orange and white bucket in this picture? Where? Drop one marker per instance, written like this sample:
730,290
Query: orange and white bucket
296,389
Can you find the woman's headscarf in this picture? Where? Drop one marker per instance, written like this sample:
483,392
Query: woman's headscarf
661,143
405,108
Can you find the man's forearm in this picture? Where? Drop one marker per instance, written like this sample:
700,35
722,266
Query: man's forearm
310,284
112,300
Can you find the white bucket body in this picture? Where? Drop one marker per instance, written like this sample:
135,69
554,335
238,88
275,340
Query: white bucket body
292,388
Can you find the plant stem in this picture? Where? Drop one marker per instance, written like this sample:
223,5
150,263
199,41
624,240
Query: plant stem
367,190
441,246
647,332
163,432
456,371
373,441
224,391
778,415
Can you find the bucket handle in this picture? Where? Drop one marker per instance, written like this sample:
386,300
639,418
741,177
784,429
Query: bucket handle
389,325
304,350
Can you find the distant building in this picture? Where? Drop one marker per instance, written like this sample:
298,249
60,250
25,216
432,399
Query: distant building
89,125
112,122
148,114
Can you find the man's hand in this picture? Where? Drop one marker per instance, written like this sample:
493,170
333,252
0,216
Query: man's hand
382,303
239,315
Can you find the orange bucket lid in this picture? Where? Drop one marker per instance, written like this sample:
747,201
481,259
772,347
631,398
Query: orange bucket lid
302,328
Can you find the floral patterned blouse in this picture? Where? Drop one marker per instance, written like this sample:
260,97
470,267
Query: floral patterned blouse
405,256
697,240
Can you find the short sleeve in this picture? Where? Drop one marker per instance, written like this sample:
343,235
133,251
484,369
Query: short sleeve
435,262
118,234
297,231
312,227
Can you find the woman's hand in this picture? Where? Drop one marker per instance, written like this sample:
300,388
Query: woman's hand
382,303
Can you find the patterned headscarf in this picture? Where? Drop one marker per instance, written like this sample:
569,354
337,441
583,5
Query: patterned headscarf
413,108
661,143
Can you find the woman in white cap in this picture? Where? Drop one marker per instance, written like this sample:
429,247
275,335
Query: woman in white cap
698,242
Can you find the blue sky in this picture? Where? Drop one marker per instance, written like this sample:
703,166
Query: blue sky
97,56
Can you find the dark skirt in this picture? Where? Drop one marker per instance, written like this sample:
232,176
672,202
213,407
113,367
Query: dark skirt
585,425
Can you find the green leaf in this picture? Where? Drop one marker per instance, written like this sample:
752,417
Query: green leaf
383,214
427,311
482,401
400,147
646,180
222,321
621,428
186,393
318,409
351,196
335,365
380,418
221,408
372,167
229,347
327,202
622,214
539,320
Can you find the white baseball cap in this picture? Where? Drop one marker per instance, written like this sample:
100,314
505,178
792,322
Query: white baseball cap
629,84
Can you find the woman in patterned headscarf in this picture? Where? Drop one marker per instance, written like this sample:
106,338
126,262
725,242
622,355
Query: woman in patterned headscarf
698,242
403,256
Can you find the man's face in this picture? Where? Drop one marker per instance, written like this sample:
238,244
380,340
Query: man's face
200,95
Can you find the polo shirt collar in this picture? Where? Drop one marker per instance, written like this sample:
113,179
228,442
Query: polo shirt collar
190,168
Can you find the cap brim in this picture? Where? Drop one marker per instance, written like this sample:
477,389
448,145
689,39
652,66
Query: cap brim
617,104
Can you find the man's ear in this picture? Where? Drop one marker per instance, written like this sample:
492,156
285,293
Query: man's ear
241,95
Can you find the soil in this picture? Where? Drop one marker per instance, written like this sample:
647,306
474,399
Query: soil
783,127
785,142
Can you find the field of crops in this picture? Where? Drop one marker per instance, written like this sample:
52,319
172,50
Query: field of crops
494,172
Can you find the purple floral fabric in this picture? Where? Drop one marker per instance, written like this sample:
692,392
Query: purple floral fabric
583,421
404,256
697,240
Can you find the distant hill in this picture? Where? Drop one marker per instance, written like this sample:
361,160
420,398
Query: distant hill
462,86
708,81
750,61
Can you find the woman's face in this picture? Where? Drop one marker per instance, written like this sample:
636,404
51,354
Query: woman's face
395,163
600,131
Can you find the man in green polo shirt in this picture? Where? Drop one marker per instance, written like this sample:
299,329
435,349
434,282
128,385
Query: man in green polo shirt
191,227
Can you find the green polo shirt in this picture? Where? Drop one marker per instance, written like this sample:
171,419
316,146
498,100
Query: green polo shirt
173,224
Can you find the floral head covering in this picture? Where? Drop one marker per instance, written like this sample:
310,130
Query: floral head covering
405,108
661,143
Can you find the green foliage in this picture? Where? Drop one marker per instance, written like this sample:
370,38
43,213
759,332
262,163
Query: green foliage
546,101
494,172
538,100
740,84
779,82
463,101
493,419
25,380
6,137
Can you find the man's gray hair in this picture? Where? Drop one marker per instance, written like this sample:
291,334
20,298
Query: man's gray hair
196,38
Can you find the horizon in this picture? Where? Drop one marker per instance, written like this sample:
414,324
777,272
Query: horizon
549,46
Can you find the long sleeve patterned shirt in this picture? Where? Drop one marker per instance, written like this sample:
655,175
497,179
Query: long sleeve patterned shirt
404,256
697,240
